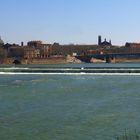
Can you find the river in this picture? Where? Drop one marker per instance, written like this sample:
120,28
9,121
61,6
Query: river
69,107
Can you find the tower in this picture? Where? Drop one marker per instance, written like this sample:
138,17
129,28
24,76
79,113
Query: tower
22,44
99,40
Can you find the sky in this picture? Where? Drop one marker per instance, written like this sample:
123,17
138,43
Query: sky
70,21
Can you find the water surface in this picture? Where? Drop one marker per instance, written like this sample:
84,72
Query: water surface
68,107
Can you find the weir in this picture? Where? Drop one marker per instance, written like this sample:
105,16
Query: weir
83,70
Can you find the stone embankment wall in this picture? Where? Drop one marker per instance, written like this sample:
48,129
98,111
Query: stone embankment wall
61,60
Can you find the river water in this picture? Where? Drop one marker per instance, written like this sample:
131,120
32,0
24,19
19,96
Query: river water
69,107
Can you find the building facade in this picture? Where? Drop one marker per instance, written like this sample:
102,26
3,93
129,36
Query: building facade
104,43
132,45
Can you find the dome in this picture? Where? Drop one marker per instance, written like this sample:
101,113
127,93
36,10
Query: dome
1,41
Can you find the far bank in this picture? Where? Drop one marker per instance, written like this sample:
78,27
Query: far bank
65,60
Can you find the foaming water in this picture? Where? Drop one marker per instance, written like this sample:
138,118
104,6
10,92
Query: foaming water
73,70
81,73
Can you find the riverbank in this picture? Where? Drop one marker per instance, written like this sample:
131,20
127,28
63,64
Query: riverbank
72,60
66,60
61,60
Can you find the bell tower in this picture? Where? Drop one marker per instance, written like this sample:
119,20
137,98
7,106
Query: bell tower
99,40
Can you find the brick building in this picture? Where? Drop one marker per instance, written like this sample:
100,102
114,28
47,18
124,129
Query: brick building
132,45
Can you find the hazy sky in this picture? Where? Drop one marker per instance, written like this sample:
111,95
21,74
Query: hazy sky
70,21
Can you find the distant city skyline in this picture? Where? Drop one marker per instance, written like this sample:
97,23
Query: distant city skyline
70,21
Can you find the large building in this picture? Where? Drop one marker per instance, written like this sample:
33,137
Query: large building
34,43
132,45
15,51
104,43
41,50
